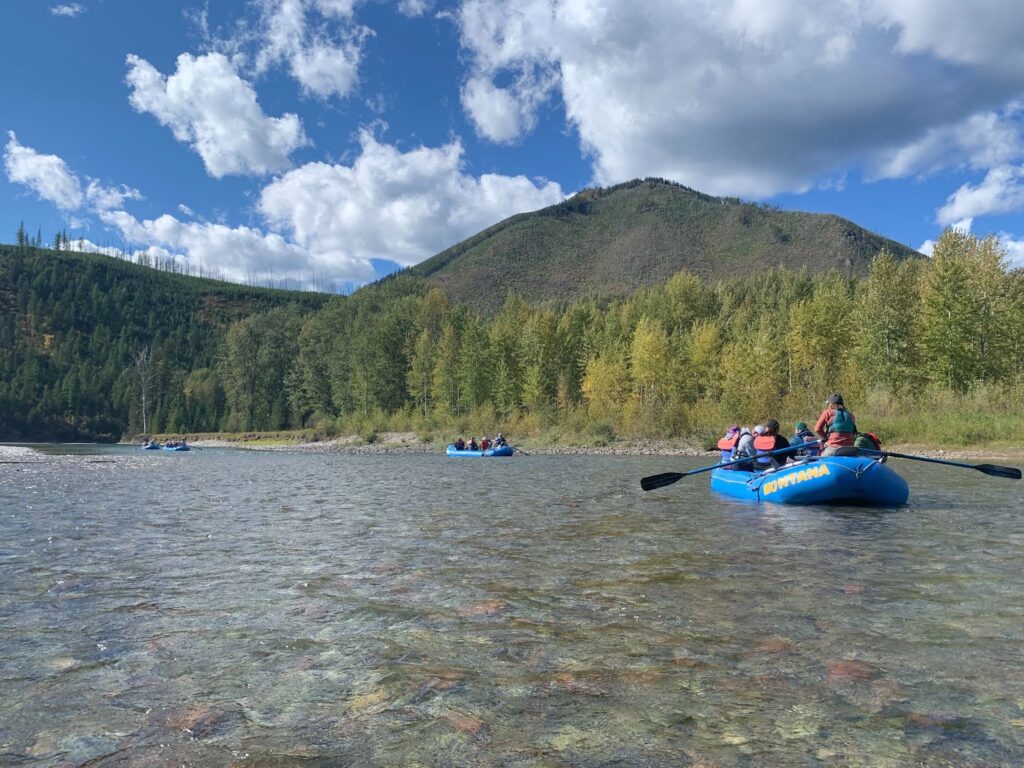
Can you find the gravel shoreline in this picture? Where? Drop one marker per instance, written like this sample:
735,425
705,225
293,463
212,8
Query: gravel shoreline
407,443
411,445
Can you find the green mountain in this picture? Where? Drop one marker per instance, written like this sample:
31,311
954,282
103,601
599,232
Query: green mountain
609,242
73,327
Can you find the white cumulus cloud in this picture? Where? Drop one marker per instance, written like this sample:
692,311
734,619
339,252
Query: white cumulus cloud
208,106
414,8
52,180
1001,191
46,175
498,115
67,9
752,98
401,206
318,40
979,142
1014,250
236,253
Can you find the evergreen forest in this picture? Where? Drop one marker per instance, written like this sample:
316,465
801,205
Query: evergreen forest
923,350
85,338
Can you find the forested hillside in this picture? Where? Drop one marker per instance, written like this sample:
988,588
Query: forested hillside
96,347
610,242
931,348
82,335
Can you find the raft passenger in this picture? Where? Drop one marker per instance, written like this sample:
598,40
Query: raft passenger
837,427
744,449
803,436
728,443
770,441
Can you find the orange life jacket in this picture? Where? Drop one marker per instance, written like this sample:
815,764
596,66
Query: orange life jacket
726,446
764,444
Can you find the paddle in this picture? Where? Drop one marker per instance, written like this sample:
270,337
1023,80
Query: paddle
995,470
520,450
667,478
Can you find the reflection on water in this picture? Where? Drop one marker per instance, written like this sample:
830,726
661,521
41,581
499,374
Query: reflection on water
262,609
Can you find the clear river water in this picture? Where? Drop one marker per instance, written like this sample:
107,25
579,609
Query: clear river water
242,608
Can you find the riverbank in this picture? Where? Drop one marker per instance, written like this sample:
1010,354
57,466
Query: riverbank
411,443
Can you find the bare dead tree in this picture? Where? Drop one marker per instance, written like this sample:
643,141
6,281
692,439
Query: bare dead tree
145,371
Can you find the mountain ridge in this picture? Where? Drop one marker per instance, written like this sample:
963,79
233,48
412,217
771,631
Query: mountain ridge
610,241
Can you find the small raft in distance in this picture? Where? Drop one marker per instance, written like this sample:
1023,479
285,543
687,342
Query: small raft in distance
501,450
862,480
176,448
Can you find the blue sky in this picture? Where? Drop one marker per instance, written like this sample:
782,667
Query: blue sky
330,141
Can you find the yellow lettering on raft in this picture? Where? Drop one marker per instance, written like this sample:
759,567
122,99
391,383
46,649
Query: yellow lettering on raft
792,478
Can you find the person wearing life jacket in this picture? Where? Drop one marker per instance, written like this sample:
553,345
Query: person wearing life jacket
770,440
472,445
837,427
802,434
485,443
728,443
460,444
744,449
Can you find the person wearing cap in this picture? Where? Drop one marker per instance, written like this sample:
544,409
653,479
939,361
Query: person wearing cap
802,434
837,427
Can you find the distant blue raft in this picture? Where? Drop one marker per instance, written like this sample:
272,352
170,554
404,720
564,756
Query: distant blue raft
862,480
503,450
176,448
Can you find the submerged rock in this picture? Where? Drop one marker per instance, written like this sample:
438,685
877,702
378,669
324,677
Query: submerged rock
484,608
850,670
464,722
199,722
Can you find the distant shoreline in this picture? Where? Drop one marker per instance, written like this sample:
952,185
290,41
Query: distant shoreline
409,443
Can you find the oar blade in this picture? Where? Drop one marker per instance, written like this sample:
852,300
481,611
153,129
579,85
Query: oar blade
995,470
660,481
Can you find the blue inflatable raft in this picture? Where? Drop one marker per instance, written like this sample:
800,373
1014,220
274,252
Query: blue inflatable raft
861,480
504,450
176,448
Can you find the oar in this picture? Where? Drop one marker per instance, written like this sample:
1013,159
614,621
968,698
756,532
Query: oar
995,470
667,478
520,450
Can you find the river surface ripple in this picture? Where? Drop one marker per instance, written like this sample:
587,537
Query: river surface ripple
232,608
